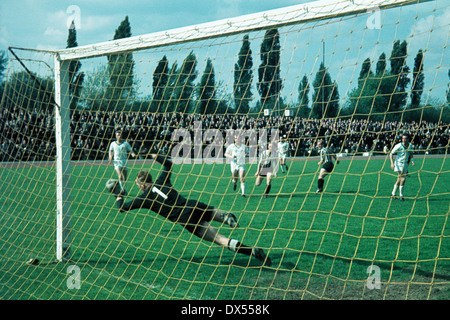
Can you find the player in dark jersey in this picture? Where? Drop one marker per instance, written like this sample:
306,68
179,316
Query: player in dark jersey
326,162
195,216
267,168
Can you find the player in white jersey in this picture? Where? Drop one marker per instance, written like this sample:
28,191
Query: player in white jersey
326,162
267,168
283,149
237,152
404,151
118,153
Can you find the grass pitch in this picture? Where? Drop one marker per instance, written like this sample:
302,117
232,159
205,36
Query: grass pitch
321,246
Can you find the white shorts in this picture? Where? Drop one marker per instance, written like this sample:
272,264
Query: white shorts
237,167
401,168
120,165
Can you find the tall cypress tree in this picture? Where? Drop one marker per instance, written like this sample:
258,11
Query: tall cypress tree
448,91
169,97
399,71
185,86
381,65
160,80
418,80
207,88
365,72
325,96
121,72
303,99
269,80
76,78
3,63
243,77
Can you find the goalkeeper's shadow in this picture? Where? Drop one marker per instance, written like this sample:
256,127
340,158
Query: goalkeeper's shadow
404,267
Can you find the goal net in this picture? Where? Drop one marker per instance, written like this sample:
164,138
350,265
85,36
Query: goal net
354,75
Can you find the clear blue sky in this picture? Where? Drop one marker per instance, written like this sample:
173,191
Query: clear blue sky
43,25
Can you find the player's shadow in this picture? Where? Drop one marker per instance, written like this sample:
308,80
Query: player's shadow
354,192
233,259
404,267
209,259
104,262
432,199
279,263
278,196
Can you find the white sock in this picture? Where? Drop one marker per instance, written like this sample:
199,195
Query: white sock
243,188
122,185
401,191
232,245
395,189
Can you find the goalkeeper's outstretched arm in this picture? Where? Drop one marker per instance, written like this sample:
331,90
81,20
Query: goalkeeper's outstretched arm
164,161
139,202
123,206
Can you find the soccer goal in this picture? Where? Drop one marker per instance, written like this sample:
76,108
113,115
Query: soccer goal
353,77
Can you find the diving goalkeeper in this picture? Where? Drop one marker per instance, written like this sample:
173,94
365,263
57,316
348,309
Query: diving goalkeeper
162,198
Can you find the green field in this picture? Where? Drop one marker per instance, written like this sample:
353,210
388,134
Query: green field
321,245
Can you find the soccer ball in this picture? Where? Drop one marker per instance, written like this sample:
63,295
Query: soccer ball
112,185
33,262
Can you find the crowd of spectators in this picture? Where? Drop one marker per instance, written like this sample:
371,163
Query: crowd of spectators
30,135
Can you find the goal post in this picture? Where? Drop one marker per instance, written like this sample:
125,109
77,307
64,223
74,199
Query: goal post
63,158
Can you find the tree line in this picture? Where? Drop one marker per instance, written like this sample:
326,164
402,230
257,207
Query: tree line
387,89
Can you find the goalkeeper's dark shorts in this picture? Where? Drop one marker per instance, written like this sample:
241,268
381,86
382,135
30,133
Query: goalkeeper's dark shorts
193,213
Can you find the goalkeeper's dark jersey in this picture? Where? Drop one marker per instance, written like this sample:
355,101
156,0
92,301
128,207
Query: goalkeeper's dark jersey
161,197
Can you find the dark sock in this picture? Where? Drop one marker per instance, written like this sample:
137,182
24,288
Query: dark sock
238,247
268,189
320,183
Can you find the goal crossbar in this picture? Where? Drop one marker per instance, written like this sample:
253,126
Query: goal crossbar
302,13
